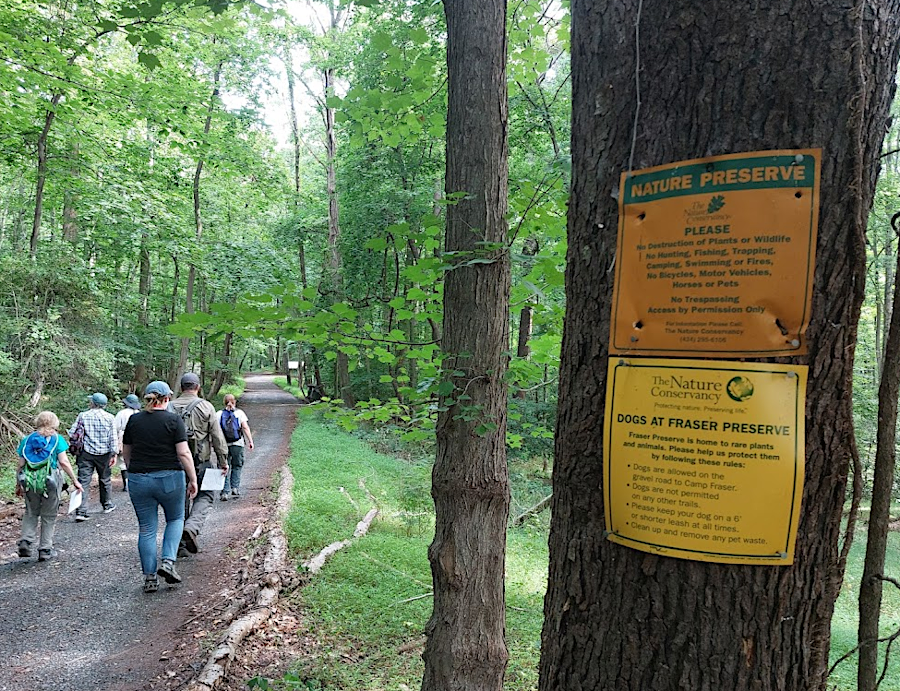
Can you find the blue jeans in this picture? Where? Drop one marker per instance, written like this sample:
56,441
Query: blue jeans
148,492
235,467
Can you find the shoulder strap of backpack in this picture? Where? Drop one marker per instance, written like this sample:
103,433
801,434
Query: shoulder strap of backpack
188,411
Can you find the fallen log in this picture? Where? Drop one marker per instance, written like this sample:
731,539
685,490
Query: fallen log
533,511
315,564
218,660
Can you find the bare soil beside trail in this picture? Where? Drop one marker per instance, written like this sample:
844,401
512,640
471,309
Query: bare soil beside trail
81,623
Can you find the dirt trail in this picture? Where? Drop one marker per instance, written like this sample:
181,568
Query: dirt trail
81,623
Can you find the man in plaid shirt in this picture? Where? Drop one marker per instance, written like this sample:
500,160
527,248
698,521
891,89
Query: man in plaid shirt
99,453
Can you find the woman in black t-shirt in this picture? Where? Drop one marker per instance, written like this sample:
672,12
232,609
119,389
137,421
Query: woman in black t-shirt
156,454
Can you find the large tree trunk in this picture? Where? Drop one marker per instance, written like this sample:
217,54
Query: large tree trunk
715,78
470,483
870,587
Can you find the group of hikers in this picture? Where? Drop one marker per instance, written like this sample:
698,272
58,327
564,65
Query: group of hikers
164,447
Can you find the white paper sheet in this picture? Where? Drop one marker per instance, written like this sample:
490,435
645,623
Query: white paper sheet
74,500
213,480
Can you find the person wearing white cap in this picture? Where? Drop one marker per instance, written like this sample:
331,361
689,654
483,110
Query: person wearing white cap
132,405
99,452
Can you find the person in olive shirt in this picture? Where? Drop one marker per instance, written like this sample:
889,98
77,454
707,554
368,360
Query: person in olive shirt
156,454
199,416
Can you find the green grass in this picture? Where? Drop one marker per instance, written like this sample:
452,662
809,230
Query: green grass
367,602
293,390
846,615
361,607
235,388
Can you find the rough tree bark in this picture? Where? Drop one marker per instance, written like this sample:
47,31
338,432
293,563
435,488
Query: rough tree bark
871,585
714,78
470,482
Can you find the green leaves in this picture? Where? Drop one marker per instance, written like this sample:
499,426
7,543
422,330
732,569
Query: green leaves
149,60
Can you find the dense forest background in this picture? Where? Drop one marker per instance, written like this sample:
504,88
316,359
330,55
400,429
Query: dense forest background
230,187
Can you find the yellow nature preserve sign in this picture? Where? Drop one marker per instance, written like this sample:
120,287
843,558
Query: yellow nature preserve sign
704,459
715,256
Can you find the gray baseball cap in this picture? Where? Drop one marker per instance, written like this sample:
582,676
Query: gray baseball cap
190,378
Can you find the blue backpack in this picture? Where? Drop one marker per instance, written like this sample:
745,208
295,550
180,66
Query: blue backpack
231,426
39,454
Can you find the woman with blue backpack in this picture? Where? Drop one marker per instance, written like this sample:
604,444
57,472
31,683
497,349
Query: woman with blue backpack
42,457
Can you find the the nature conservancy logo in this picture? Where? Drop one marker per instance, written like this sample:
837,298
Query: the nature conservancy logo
716,203
739,389
679,386
705,210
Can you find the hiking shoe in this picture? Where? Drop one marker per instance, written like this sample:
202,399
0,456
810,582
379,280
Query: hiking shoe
168,572
46,554
151,583
25,549
82,517
223,496
182,552
189,540
109,508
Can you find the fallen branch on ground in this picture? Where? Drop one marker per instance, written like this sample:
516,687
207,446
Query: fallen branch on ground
533,511
219,659
315,564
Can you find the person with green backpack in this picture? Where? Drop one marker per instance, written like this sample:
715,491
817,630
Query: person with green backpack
42,454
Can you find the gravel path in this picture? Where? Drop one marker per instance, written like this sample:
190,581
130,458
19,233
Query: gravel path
81,623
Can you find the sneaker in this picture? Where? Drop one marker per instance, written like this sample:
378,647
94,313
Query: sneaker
109,508
125,487
223,496
82,517
189,540
168,572
182,552
46,554
25,549
151,583
235,493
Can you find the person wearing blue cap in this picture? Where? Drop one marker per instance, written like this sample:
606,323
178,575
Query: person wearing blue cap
99,452
161,472
132,405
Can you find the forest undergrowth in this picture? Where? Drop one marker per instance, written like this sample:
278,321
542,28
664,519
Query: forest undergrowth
368,607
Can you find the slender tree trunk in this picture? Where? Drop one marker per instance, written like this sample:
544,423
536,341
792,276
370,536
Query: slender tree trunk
70,211
342,363
42,173
870,587
219,380
523,350
655,83
888,292
295,143
144,281
198,219
879,311
465,649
